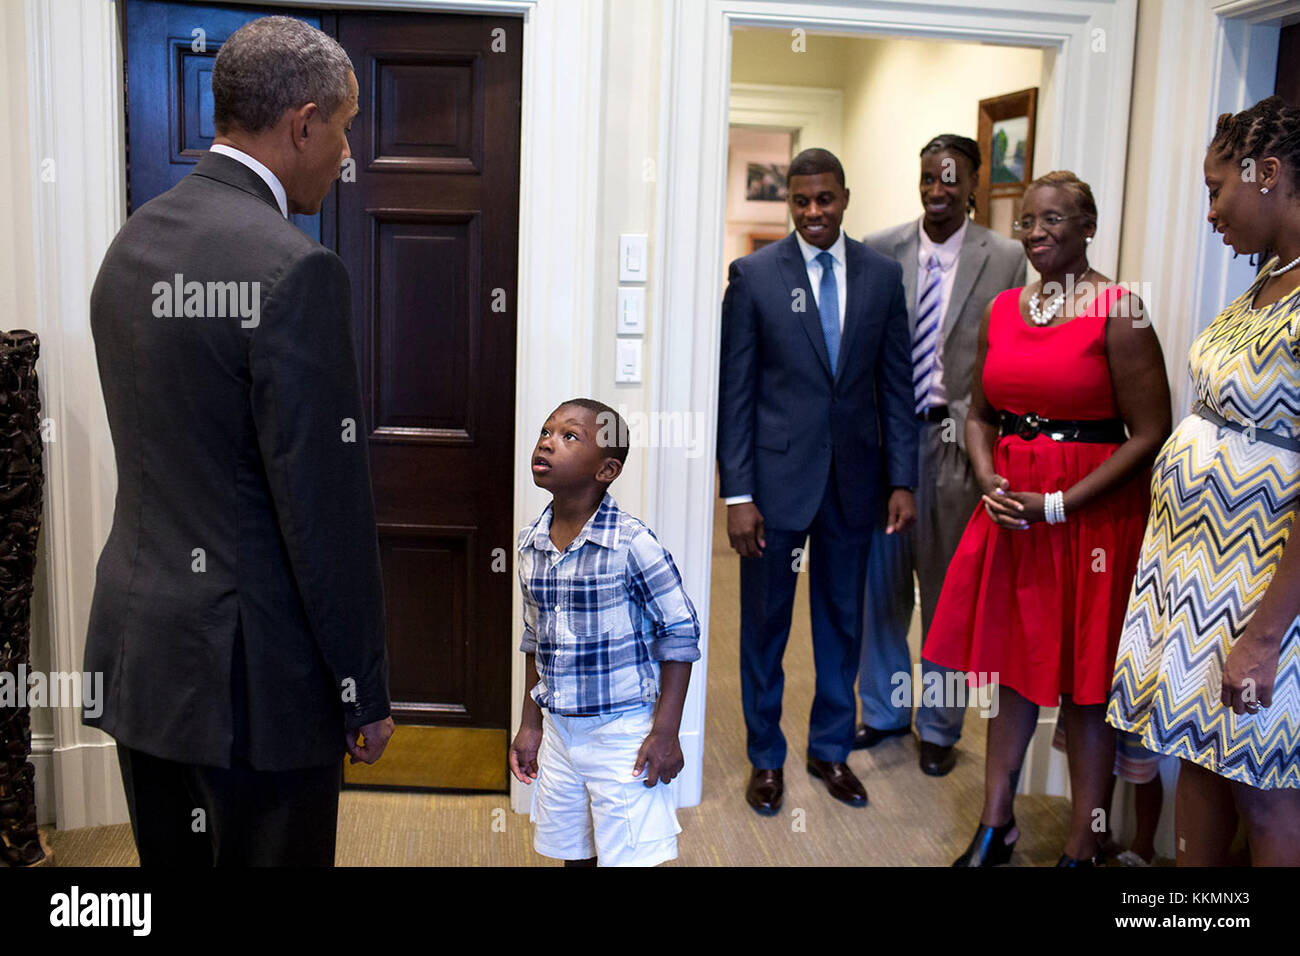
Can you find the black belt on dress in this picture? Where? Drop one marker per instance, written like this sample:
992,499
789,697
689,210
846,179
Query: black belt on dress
1029,425
1251,433
935,413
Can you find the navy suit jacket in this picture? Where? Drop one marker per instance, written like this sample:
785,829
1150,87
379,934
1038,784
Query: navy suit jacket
783,412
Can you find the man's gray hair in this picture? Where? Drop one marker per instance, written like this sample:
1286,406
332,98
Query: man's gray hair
275,64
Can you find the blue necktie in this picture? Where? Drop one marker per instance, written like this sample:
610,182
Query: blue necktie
926,342
828,303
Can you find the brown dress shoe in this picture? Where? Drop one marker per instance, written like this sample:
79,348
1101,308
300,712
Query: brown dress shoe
766,790
840,781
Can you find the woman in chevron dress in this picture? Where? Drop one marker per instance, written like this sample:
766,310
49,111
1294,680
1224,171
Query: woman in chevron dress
1208,667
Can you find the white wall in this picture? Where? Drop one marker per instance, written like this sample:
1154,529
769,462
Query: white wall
629,144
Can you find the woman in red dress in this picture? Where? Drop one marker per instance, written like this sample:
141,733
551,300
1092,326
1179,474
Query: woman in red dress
1035,595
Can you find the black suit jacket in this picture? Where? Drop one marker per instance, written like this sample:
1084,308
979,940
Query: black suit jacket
243,534
783,412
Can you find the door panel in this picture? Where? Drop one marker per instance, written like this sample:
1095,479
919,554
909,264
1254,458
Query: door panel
428,231
423,370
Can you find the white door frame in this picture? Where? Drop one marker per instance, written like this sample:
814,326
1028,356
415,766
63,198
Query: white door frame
1214,56
76,110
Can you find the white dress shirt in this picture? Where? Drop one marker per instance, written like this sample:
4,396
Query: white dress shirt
267,176
948,251
810,254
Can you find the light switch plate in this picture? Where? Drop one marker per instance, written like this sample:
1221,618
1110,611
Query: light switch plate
628,368
632,265
631,310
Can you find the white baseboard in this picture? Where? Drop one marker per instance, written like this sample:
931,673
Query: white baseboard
90,792
1045,770
43,760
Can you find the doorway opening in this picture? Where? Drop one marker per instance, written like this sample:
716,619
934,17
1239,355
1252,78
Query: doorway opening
874,101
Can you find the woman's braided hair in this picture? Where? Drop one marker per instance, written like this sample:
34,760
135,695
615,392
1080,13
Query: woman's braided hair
1269,128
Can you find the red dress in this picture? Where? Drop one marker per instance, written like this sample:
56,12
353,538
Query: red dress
1040,610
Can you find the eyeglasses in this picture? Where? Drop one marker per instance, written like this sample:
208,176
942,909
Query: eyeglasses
1050,221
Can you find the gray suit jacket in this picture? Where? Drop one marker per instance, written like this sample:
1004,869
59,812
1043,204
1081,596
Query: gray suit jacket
238,606
988,264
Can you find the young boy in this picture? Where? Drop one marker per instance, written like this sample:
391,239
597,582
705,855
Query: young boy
610,636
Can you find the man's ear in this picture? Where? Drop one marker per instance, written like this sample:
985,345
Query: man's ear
846,197
301,127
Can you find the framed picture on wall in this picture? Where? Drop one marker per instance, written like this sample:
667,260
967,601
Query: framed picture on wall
1006,140
765,182
757,240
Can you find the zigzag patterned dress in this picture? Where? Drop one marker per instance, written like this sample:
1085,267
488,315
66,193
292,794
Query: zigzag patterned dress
1222,506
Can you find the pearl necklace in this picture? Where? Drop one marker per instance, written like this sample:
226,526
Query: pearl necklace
1044,316
1286,268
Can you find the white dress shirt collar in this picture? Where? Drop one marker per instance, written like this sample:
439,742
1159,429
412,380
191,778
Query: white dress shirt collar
267,176
947,251
811,252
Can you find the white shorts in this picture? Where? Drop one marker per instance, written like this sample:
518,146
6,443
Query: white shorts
587,803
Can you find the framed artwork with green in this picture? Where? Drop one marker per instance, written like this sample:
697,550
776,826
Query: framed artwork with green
1006,140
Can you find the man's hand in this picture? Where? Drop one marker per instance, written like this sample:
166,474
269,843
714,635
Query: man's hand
523,754
660,755
902,511
366,744
745,529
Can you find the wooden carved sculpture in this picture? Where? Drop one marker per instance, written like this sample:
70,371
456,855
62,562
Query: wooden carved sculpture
21,483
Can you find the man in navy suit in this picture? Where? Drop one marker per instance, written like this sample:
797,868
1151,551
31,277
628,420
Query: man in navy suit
815,423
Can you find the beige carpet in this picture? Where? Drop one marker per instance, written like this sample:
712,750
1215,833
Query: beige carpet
912,819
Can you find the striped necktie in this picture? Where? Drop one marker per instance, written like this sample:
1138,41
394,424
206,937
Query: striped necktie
926,342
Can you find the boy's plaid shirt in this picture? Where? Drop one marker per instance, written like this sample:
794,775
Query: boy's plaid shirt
602,614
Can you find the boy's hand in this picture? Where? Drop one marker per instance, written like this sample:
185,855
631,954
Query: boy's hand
661,757
523,754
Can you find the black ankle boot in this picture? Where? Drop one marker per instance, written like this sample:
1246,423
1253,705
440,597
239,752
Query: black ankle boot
1071,861
989,848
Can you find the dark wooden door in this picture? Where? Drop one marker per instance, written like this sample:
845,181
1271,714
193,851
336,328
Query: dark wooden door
1286,83
427,224
429,233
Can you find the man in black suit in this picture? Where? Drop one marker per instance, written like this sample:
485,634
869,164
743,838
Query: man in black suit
238,612
814,417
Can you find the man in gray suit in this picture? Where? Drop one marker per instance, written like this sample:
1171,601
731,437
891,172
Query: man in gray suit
952,269
238,613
